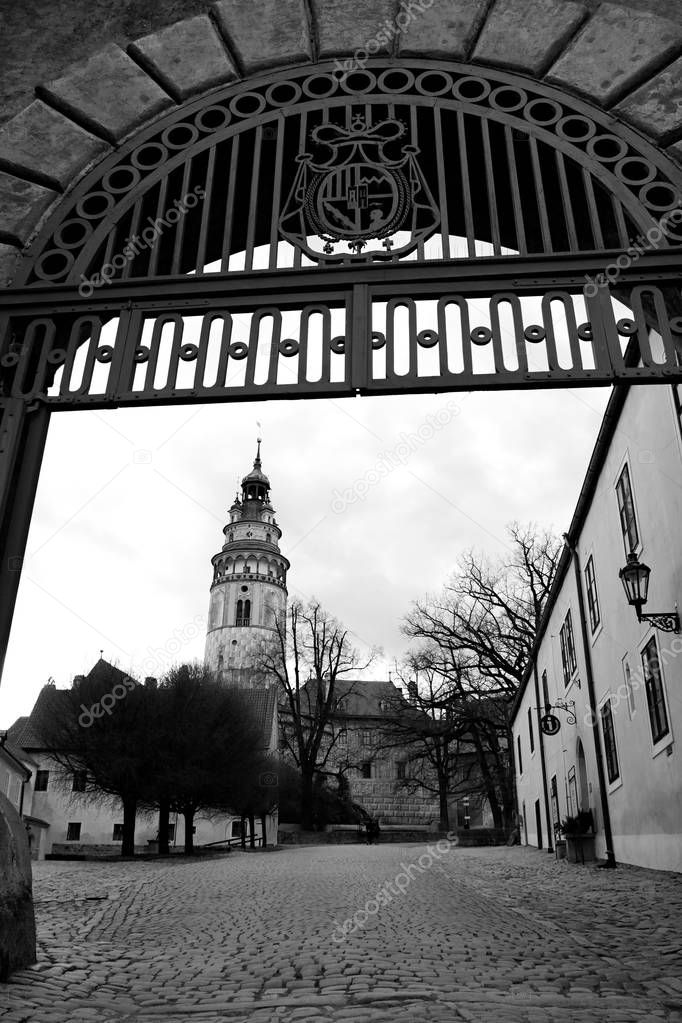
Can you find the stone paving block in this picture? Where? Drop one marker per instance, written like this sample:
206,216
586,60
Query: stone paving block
642,41
527,35
656,107
186,57
446,28
265,33
108,93
346,26
22,204
47,145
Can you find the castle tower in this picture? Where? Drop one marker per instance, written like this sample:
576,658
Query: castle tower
249,591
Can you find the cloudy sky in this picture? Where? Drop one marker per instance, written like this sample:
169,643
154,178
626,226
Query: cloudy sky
131,505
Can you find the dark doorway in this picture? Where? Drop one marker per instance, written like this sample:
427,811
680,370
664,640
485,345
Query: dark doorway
538,823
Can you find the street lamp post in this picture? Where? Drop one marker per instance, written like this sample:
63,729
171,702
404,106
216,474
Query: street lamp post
635,579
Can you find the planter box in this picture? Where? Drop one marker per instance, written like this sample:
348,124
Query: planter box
560,846
580,848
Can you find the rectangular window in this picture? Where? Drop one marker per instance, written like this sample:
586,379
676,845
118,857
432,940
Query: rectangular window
545,692
629,688
73,832
42,778
342,738
365,736
655,693
610,752
79,779
592,599
568,661
518,746
171,832
118,833
626,510
556,814
531,738
366,769
401,768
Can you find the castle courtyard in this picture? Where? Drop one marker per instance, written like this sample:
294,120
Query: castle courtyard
352,933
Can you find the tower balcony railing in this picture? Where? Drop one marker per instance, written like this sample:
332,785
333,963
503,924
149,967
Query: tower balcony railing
256,576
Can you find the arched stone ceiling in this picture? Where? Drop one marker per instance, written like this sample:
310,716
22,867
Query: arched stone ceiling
625,58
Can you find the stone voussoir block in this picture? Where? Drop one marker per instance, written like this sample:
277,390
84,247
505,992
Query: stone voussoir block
109,93
527,35
9,257
265,33
47,145
442,28
22,205
615,51
186,57
656,107
349,28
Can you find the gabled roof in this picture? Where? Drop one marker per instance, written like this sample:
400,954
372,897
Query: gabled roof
12,753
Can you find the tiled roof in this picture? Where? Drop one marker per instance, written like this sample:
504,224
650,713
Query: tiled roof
366,697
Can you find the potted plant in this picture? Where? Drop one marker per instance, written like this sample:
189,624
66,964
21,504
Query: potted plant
579,834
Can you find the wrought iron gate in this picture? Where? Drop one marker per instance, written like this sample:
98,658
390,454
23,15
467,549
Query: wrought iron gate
410,226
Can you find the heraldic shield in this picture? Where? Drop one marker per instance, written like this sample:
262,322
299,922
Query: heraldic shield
370,194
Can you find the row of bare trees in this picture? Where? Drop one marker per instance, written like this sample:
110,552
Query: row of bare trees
185,745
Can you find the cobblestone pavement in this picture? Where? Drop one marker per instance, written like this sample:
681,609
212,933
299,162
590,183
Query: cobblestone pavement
481,934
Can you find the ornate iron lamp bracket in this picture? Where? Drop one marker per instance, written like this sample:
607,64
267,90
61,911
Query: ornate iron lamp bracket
666,621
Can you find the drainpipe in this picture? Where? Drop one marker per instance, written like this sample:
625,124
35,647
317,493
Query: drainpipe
550,845
596,738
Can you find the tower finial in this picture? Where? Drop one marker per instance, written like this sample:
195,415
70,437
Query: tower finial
259,439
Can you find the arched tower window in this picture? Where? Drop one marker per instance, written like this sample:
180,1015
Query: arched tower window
247,612
240,612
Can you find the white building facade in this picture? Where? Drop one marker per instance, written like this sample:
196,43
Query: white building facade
621,679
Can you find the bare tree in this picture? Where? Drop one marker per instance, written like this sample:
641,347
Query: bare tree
311,653
477,635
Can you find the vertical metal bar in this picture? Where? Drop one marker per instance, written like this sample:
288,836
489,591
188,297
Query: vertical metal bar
415,142
229,205
540,193
276,194
156,245
359,337
466,187
302,132
516,194
594,212
566,202
180,226
623,235
205,212
134,225
253,198
442,194
22,443
490,187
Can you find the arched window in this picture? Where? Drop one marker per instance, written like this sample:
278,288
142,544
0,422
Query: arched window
240,612
247,612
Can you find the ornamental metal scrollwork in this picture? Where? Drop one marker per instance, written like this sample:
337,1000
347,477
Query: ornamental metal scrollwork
366,191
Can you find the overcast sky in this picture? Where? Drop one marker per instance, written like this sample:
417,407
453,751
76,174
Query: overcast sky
131,505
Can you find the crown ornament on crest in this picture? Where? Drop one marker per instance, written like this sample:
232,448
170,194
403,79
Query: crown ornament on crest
360,185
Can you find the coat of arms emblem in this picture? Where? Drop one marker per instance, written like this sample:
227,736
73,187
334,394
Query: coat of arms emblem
369,193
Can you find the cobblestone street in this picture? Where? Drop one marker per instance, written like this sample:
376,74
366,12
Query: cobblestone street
482,934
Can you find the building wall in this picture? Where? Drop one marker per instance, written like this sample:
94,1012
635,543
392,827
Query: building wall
645,800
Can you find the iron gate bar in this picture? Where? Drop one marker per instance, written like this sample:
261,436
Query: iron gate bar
475,276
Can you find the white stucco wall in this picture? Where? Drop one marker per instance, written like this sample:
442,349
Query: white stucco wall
645,801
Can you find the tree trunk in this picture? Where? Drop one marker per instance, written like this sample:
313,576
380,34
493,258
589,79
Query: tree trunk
252,831
488,780
164,814
189,831
263,826
443,801
307,802
129,814
243,835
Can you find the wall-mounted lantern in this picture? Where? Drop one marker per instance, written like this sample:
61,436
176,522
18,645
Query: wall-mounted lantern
635,579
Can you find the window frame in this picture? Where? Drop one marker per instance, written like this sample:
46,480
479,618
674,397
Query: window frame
401,770
625,470
69,826
592,594
42,775
629,687
545,691
366,770
79,781
531,737
519,755
569,664
610,741
665,739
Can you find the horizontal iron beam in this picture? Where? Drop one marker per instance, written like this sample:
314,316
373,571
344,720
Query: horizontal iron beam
290,287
